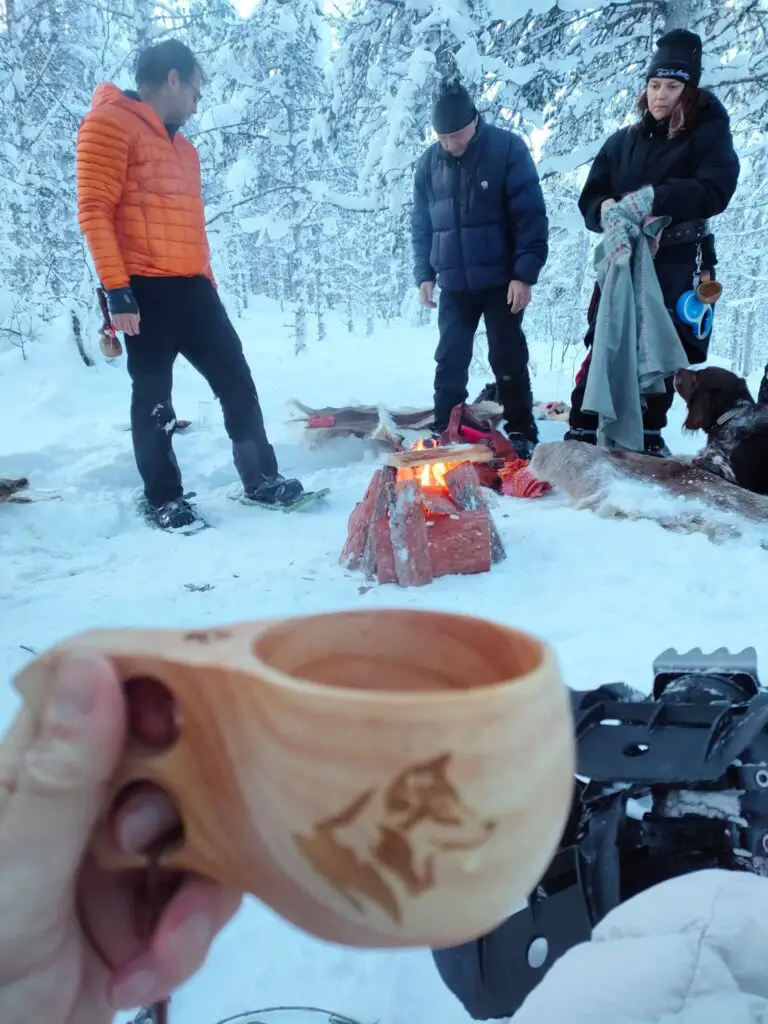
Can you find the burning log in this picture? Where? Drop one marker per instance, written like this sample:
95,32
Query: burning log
410,542
359,523
466,492
461,544
378,558
423,515
383,553
441,453
438,504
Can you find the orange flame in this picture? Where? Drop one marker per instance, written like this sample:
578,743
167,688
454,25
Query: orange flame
431,475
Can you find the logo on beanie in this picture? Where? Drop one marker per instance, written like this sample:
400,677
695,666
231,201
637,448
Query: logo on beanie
671,73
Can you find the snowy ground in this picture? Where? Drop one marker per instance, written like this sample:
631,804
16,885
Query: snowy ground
609,596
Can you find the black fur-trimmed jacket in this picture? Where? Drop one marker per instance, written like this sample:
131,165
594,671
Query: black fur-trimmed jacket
694,174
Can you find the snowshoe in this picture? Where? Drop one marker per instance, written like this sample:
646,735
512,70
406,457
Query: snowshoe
177,516
300,501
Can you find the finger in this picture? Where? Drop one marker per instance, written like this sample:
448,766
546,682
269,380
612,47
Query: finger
146,815
12,748
188,925
63,774
115,910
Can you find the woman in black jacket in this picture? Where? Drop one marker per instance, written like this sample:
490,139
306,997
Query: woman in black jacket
681,146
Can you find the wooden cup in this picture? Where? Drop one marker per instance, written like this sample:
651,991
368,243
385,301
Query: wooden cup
709,292
387,778
110,345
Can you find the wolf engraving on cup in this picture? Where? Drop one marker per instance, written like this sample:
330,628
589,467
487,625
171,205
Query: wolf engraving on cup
390,838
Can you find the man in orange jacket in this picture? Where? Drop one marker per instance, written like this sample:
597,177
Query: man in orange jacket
140,208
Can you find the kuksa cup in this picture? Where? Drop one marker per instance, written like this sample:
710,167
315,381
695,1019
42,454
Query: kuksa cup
378,778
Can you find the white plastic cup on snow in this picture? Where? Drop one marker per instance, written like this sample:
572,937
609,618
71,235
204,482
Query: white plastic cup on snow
204,417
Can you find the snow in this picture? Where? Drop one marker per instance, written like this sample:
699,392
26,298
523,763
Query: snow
608,595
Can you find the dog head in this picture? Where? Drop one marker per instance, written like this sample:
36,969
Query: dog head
709,393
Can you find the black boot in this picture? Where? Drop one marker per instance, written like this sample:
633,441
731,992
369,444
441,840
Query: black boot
173,515
523,445
653,444
580,434
275,490
520,427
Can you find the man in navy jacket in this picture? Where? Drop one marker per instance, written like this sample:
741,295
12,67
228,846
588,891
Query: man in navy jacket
480,231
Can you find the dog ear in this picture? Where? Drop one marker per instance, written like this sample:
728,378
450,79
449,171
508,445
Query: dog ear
699,410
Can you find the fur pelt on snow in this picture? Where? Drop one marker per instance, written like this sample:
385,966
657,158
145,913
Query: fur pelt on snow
675,493
376,424
8,487
555,410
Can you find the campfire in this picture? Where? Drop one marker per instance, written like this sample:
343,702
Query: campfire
424,515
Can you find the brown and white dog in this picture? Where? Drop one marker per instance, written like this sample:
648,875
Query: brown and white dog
719,403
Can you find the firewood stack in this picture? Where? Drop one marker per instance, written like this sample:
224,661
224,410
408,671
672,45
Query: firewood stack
424,515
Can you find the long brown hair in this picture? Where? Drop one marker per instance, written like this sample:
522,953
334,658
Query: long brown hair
684,115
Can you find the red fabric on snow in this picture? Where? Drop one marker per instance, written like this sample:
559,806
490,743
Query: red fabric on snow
519,482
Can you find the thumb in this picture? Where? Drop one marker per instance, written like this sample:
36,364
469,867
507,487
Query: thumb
62,775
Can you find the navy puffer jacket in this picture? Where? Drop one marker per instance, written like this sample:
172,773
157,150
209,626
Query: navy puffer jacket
479,221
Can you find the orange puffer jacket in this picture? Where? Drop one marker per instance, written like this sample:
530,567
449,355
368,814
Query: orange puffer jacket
139,201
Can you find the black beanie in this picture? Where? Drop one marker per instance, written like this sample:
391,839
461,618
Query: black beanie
677,56
453,108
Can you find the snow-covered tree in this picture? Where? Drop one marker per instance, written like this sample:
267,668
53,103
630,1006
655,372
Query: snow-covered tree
266,138
313,116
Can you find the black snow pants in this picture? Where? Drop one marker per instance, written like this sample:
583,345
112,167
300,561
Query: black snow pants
458,319
185,316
